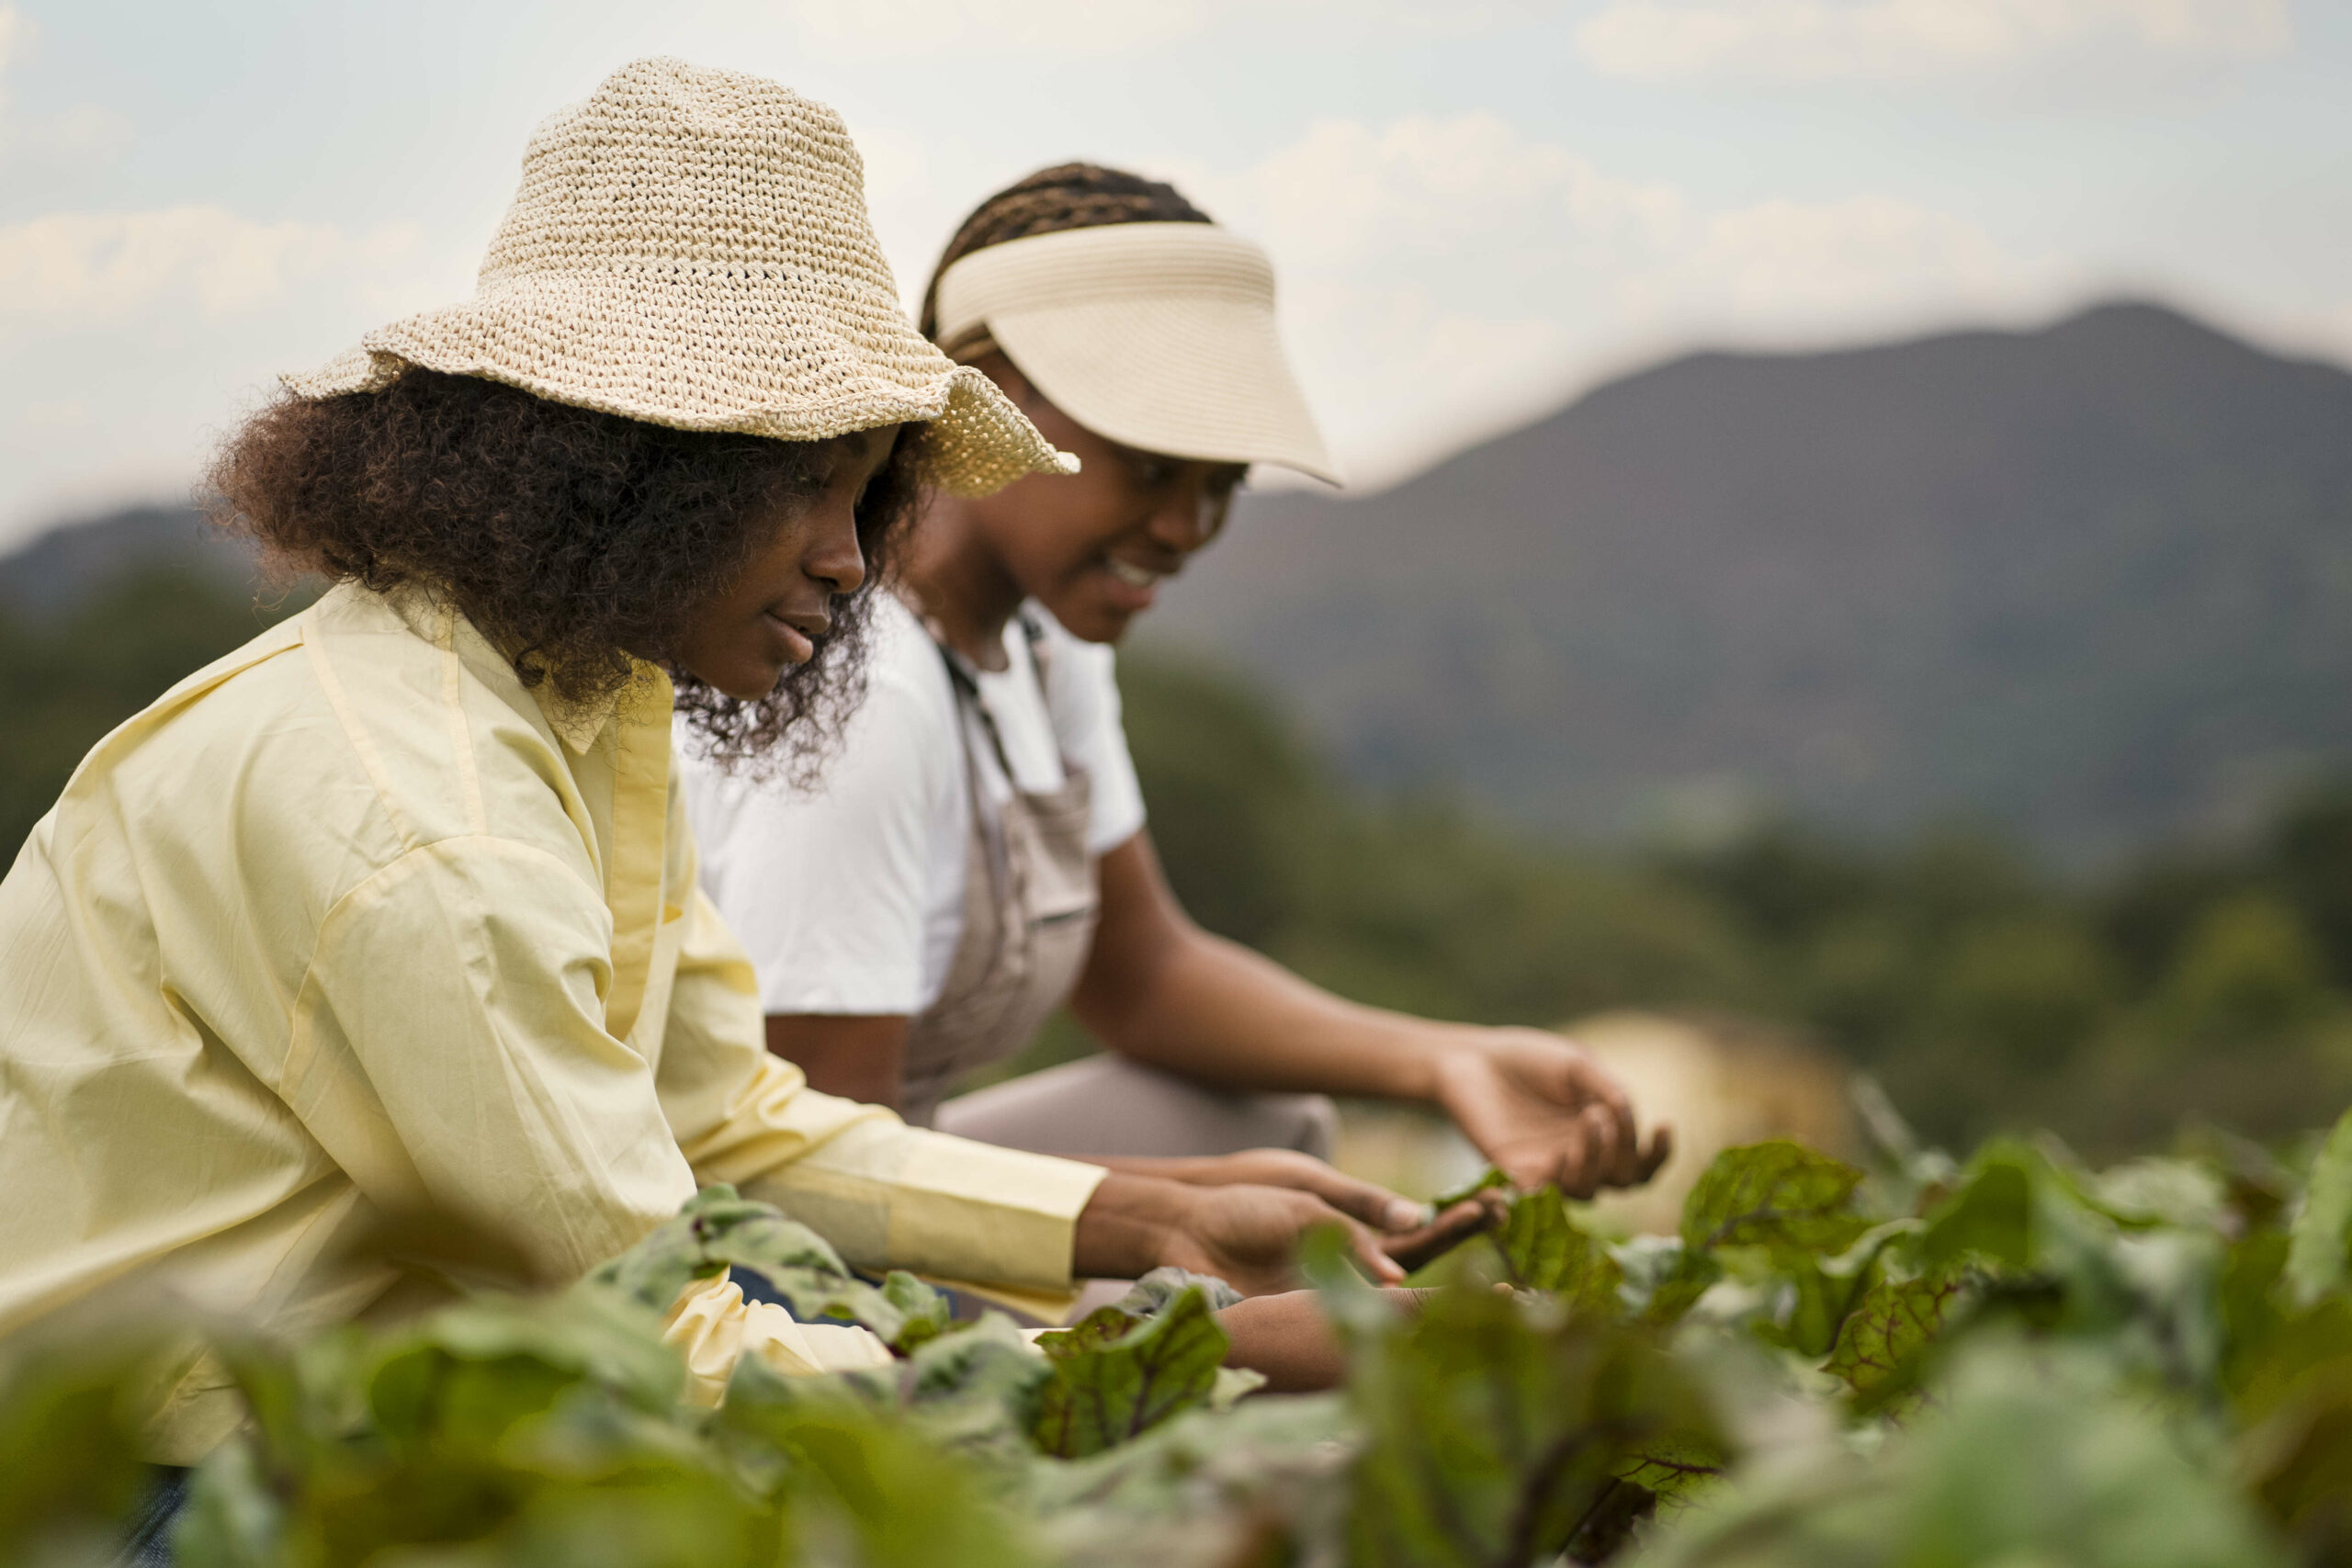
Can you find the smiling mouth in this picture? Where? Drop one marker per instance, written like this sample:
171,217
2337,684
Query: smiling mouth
1133,576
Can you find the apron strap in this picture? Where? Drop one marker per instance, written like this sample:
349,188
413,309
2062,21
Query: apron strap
1041,659
1027,924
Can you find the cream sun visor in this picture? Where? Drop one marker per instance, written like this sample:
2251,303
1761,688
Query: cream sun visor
1159,336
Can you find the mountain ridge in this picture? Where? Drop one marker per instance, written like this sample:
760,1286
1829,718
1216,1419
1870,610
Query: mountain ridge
2090,582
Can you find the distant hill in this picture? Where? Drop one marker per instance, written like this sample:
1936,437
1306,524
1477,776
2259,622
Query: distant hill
56,573
2092,583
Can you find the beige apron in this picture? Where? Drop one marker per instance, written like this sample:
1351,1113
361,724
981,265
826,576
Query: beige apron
1030,904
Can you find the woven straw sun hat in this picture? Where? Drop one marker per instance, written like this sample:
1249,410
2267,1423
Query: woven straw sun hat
1158,335
691,248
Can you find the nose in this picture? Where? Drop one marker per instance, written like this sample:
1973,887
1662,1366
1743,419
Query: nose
833,556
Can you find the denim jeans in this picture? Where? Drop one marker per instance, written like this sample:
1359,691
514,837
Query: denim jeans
147,1543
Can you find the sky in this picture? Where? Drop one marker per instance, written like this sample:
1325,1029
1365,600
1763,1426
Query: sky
1475,208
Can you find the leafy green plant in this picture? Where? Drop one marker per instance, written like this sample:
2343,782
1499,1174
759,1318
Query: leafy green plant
2008,1359
1115,1377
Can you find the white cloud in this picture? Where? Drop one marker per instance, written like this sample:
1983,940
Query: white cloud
133,340
1080,28
1817,41
86,130
78,133
1429,184
1440,276
1789,266
70,270
1051,27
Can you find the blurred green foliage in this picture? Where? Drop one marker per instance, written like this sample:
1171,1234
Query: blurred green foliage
66,679
2007,1361
1982,989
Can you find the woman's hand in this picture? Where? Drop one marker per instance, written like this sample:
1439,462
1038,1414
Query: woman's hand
1409,1233
1246,1235
1543,1110
1288,1338
1373,1204
1249,1236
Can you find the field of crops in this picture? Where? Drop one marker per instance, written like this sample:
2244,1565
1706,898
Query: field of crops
2008,1360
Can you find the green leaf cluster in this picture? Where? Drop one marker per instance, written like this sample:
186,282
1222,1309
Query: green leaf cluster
718,1229
2008,1359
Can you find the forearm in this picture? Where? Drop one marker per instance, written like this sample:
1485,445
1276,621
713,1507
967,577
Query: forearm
859,1057
1289,1339
1213,1010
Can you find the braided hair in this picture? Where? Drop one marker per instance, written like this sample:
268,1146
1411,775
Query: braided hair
1068,195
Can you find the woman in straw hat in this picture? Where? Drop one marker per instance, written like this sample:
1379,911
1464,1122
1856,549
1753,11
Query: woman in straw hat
983,828
392,911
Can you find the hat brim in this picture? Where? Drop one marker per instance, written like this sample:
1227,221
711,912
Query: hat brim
643,344
1193,374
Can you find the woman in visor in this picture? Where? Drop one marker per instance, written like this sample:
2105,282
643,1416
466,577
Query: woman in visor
982,834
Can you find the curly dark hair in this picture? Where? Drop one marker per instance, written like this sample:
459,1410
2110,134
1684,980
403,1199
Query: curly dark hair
571,539
1068,195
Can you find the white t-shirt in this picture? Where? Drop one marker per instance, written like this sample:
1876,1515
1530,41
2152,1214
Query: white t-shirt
849,897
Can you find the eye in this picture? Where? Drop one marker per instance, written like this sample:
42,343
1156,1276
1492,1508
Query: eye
1153,472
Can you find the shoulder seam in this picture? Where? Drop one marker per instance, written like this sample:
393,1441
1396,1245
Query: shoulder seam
362,743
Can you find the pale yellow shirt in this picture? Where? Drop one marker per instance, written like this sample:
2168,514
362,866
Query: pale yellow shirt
343,926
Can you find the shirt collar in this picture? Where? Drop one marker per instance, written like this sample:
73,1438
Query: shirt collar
578,724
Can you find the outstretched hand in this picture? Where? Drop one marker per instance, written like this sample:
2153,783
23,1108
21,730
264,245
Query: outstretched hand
1409,1233
1249,1236
1373,1204
1245,1235
1544,1111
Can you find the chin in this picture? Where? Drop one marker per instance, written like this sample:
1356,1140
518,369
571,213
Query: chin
1094,623
749,688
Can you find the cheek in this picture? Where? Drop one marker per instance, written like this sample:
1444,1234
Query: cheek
726,642
1057,529
720,651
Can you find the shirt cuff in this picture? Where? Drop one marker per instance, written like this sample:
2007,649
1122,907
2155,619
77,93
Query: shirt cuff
892,1196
